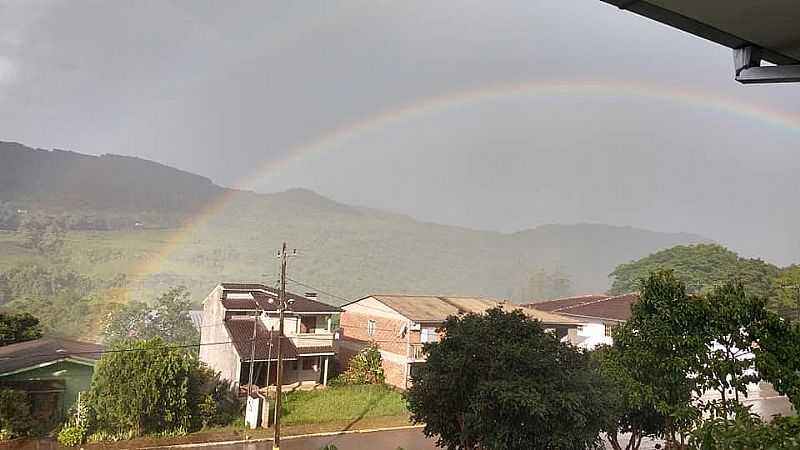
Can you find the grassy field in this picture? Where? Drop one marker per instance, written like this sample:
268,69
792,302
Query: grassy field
343,403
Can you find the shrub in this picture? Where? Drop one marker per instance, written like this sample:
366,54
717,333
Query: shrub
214,402
72,435
15,414
142,391
365,367
746,431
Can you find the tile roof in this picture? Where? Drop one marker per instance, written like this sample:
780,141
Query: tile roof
616,308
39,351
555,305
240,329
264,298
431,308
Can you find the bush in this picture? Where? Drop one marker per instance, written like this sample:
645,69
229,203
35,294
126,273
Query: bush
146,391
746,431
72,435
365,368
15,414
214,402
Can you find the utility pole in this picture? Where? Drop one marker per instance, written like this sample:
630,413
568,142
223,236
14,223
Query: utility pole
252,354
276,439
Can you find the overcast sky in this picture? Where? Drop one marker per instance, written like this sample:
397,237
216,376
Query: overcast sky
654,134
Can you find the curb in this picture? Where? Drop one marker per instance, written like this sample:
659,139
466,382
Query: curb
283,438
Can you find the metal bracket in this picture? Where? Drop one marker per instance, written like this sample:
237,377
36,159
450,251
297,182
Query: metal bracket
748,69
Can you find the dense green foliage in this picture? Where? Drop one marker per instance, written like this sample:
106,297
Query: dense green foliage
142,391
72,435
15,414
633,413
499,381
148,387
18,328
365,367
746,431
734,324
677,346
661,347
65,302
166,318
700,267
778,356
786,292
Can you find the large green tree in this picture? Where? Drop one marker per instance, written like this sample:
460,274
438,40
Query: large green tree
633,413
699,267
499,381
662,346
167,319
733,326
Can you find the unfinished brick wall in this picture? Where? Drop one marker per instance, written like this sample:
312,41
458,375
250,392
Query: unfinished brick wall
395,374
387,331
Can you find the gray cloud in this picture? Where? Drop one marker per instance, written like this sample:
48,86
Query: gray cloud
221,88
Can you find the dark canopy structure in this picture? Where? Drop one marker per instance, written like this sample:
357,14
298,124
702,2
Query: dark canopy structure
757,31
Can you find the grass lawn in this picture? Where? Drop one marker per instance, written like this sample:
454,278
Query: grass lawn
342,403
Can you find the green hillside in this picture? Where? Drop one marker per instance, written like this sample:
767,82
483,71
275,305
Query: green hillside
343,250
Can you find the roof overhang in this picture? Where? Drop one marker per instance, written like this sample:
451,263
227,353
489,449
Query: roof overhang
766,30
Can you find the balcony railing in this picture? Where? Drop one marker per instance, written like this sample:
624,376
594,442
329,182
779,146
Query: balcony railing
417,353
312,339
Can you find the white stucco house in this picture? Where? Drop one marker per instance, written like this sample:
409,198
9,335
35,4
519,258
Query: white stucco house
232,311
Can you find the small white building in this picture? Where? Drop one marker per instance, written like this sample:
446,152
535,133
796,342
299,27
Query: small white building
598,314
231,313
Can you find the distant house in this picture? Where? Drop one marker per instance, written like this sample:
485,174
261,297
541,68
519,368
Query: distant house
400,325
599,315
230,313
53,371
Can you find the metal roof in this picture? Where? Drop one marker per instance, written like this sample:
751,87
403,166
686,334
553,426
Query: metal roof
30,354
772,27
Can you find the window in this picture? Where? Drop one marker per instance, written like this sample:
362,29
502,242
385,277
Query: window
308,363
371,328
428,335
609,329
293,364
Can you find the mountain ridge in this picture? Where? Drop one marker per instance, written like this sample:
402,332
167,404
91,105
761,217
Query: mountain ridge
350,250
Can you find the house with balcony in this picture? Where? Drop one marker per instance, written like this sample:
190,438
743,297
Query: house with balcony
401,324
235,312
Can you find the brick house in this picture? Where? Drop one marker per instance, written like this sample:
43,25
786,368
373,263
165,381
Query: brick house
232,310
400,325
599,315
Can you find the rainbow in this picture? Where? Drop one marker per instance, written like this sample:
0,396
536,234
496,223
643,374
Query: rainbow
338,137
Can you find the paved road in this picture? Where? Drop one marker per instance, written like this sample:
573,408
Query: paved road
412,439
765,402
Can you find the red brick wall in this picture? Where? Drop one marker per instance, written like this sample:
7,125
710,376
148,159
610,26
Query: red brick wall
387,331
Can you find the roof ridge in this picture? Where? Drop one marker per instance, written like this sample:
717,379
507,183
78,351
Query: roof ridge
447,301
584,304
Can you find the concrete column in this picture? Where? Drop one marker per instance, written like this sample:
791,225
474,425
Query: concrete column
325,372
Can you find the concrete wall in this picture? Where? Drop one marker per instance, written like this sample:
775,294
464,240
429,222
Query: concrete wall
222,358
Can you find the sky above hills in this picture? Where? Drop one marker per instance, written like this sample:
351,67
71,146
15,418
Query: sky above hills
493,115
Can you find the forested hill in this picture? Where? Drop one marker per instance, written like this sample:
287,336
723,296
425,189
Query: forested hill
66,180
119,222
